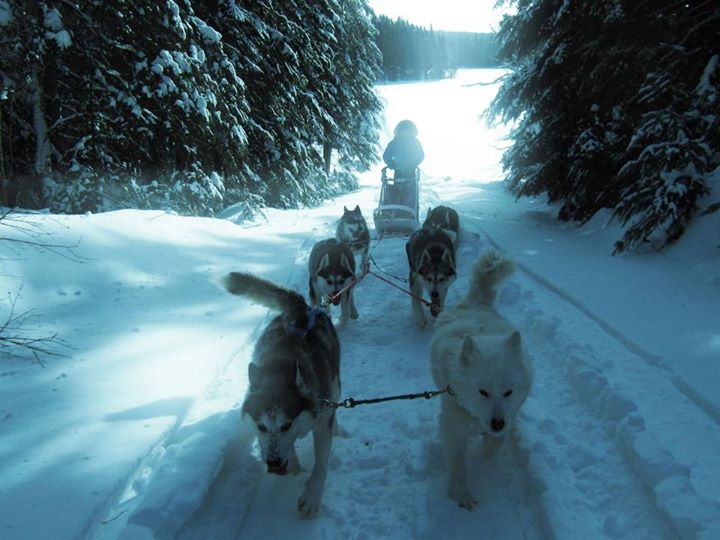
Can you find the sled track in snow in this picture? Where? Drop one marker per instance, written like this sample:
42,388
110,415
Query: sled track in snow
652,359
666,480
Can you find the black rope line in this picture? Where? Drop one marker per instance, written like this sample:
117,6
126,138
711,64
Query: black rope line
351,403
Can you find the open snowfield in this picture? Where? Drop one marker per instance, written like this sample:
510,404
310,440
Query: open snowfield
136,433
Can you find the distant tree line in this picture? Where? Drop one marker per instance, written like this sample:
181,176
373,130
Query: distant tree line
185,104
616,106
411,52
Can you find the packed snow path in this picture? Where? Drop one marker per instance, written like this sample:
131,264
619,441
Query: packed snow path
587,461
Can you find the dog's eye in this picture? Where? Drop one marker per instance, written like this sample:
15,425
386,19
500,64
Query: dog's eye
507,393
441,279
484,393
285,426
329,281
262,427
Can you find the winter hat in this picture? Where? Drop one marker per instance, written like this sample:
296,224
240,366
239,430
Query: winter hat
406,127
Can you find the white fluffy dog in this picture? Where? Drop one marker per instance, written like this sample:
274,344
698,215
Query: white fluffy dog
480,356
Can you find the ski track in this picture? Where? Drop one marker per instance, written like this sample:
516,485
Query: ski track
585,462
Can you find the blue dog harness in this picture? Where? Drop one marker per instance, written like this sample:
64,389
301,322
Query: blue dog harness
313,314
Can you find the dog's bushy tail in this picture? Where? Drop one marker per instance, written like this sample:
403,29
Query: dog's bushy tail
265,292
487,273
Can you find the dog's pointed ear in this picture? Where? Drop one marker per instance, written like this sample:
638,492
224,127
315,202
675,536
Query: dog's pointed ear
324,261
425,258
467,350
345,210
357,208
428,213
514,341
254,374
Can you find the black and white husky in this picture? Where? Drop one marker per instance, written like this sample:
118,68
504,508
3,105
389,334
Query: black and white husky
431,257
331,269
353,230
445,218
295,365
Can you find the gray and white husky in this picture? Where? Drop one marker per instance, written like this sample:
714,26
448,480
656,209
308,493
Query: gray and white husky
353,230
331,268
445,218
480,356
295,365
431,257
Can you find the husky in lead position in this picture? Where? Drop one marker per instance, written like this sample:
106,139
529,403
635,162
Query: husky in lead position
295,366
479,355
331,268
431,257
353,230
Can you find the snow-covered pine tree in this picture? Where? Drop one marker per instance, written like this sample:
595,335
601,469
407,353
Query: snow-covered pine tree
183,104
350,105
128,89
675,144
579,90
309,88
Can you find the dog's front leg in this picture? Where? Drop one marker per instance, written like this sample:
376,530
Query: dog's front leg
294,466
353,309
309,502
417,307
365,256
345,307
453,432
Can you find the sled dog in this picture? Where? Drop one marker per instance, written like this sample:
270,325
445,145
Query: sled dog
447,219
331,267
295,365
431,257
480,356
353,230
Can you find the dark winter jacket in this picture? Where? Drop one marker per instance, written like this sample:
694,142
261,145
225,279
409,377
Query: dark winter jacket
403,154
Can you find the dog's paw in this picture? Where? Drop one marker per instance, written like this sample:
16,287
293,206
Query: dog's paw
354,313
462,496
309,503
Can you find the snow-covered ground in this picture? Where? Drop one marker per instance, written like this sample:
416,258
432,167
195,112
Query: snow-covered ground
136,433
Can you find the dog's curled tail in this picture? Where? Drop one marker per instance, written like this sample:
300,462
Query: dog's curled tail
264,292
487,273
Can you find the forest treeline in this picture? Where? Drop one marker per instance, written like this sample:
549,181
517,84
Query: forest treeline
411,52
615,105
185,104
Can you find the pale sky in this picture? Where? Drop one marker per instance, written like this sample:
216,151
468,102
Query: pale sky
458,15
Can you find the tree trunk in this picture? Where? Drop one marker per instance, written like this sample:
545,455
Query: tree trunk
42,141
327,156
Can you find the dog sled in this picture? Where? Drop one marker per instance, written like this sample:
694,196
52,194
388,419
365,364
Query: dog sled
398,208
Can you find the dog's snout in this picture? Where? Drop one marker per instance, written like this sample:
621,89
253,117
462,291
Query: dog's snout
276,466
497,424
434,294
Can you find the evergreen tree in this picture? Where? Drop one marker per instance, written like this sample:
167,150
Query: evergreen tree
410,52
186,104
613,102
